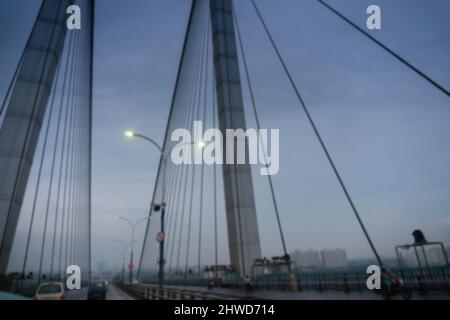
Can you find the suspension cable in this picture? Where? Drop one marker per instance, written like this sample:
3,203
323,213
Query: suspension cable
73,234
187,116
216,243
180,64
68,70
64,236
41,165
258,124
189,121
316,131
202,173
197,116
173,178
387,49
191,117
68,117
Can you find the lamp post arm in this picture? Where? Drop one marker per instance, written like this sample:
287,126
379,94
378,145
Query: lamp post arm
149,140
127,220
139,221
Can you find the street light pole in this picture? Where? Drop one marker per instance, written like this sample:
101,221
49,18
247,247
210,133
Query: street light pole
161,261
161,249
163,205
123,271
133,228
123,253
122,259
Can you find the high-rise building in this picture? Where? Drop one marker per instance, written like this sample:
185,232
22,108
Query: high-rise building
333,258
306,259
327,258
311,258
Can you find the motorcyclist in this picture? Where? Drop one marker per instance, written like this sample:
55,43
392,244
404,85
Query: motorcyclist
392,284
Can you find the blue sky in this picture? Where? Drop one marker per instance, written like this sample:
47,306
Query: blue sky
387,129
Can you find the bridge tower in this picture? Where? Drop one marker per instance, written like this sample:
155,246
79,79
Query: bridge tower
243,234
25,113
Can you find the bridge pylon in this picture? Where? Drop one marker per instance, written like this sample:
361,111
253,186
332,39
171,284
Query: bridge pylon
25,113
243,234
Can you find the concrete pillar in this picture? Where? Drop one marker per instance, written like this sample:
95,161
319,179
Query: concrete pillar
243,234
25,111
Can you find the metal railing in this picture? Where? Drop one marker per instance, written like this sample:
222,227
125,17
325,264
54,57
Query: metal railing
422,280
417,279
153,292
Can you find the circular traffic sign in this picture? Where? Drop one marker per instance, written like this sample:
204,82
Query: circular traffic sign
160,237
130,266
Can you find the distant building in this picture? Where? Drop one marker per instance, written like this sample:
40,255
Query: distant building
327,258
333,258
297,258
311,258
306,259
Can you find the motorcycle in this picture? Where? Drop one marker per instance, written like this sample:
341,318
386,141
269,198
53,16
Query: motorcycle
393,285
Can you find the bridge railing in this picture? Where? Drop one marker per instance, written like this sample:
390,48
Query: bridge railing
433,278
153,292
422,280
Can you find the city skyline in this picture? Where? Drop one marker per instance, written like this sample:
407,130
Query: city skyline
378,132
224,150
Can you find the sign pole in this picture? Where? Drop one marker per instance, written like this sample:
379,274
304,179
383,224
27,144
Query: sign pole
161,249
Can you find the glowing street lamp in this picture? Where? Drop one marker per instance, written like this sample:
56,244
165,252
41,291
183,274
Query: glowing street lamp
129,134
200,144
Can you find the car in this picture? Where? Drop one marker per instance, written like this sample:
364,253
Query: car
97,291
50,291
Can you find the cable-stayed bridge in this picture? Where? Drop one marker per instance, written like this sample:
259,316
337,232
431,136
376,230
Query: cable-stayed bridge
46,135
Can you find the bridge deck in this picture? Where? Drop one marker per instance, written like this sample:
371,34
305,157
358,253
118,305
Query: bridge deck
307,294
286,295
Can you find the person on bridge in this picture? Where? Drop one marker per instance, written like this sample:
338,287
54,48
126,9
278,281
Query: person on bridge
393,284
248,283
210,284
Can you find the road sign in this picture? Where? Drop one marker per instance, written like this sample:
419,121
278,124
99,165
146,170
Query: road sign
130,266
160,237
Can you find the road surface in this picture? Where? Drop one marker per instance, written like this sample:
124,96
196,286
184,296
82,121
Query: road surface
114,293
76,294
